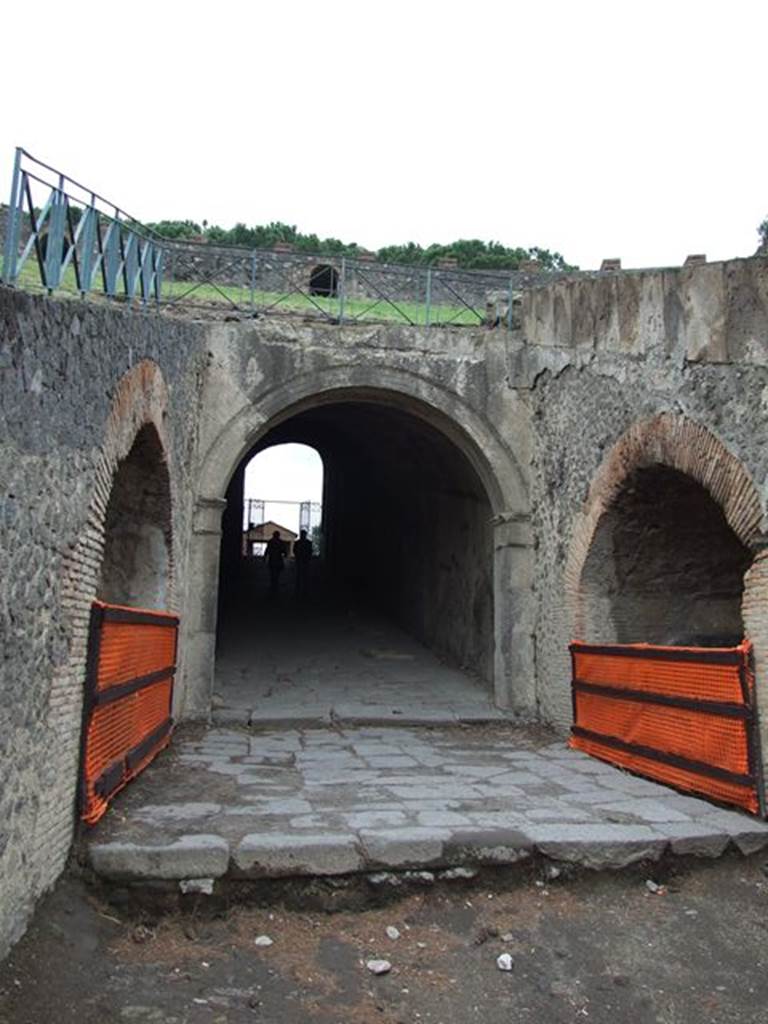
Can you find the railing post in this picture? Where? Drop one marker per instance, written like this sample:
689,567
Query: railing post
111,259
253,282
509,307
89,239
158,257
428,303
54,250
342,288
13,228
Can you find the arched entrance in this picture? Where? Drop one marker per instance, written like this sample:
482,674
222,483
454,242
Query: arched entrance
417,522
407,538
668,549
667,493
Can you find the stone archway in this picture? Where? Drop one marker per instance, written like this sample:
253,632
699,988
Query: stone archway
439,411
690,460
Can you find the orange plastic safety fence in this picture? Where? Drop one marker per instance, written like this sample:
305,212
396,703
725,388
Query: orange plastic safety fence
698,679
682,716
131,650
716,789
129,691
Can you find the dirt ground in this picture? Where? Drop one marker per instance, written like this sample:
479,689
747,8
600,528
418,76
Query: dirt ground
600,947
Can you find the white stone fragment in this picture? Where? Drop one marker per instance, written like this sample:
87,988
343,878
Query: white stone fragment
379,966
200,885
504,962
392,932
263,940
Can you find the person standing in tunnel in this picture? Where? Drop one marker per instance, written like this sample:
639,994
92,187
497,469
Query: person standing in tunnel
302,553
275,556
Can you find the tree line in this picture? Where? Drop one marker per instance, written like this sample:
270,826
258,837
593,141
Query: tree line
469,253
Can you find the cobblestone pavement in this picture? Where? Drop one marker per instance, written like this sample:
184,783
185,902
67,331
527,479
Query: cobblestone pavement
325,801
287,664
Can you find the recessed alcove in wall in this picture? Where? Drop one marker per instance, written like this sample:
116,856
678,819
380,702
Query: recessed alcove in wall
324,280
664,566
135,567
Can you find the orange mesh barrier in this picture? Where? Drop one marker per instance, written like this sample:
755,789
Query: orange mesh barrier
680,715
129,691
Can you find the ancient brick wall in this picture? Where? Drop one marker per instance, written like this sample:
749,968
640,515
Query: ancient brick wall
77,381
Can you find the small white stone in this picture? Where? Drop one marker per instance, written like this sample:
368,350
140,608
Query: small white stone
507,937
504,962
392,932
651,886
263,940
200,885
456,873
379,966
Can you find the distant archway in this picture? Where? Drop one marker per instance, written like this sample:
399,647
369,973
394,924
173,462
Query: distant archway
324,280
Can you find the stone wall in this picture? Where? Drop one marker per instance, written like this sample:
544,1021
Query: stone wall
445,476
630,371
610,375
76,383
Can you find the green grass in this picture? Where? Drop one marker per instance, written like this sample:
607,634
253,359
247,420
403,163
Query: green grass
226,297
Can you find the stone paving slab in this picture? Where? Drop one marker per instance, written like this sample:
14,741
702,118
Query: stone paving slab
349,668
336,800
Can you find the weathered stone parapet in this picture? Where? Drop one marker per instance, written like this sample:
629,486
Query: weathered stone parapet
704,312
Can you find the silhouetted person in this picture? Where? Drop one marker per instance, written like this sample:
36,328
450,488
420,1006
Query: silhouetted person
275,556
302,553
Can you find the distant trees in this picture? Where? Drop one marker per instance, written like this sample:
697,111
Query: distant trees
472,253
763,233
469,253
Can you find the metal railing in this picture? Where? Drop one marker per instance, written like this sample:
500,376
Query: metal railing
78,238
61,237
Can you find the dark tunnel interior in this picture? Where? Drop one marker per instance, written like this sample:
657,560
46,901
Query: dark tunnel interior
406,526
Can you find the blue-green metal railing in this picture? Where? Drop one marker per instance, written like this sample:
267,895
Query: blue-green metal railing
62,236
76,227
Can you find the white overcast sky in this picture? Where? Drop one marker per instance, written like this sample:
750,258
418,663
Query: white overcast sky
290,473
596,129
